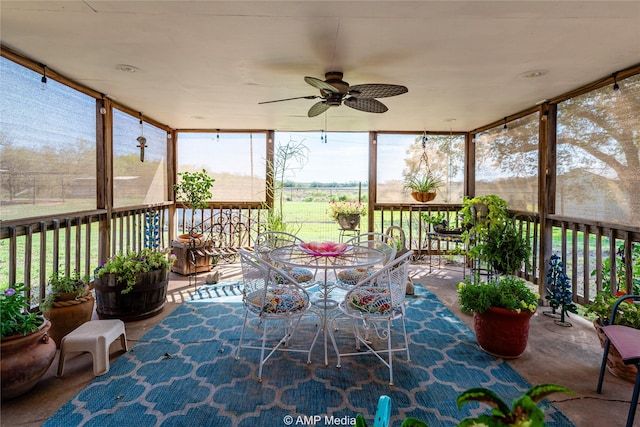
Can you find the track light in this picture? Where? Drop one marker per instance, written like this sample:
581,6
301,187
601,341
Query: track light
43,80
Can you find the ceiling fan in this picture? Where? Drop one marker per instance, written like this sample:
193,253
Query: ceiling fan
334,92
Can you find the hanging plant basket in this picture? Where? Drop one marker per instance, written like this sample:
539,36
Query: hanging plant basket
423,196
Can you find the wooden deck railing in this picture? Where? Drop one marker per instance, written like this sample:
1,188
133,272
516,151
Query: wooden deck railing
80,242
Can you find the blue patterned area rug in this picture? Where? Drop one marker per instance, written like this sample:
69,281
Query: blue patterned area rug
183,373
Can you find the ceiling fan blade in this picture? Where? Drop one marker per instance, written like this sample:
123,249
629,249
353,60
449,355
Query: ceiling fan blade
320,84
289,99
376,90
369,105
318,108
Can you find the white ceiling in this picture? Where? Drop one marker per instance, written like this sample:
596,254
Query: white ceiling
207,64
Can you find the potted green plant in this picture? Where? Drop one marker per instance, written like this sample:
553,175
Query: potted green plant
438,221
627,314
26,352
505,248
422,185
347,213
194,189
133,286
501,309
479,215
69,303
523,412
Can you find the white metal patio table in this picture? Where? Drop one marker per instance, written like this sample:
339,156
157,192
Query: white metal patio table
295,256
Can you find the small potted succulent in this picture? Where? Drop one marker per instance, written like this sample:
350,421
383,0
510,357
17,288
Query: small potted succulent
347,213
69,303
26,352
501,310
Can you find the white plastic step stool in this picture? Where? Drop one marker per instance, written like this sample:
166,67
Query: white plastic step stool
94,336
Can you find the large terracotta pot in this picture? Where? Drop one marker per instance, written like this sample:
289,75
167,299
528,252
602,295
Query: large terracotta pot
146,299
67,312
24,359
615,365
503,333
349,222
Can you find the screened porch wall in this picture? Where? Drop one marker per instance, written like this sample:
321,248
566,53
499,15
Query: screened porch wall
29,254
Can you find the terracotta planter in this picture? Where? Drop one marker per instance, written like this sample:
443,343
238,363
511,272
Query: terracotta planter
146,299
503,333
68,312
195,240
615,365
24,359
349,222
423,197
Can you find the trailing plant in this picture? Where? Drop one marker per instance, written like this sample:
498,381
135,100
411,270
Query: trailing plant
128,266
15,315
508,292
505,248
480,214
558,288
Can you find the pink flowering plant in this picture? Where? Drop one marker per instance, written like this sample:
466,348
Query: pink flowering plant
346,208
15,314
128,266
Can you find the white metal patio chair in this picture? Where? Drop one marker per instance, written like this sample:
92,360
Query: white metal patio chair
270,295
347,278
373,304
267,241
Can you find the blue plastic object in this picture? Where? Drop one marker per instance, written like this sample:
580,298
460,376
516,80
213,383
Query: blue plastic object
383,414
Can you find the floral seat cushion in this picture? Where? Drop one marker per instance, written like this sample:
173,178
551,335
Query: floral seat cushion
279,300
301,275
372,300
351,276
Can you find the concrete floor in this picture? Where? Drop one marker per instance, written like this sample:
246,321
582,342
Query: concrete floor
560,355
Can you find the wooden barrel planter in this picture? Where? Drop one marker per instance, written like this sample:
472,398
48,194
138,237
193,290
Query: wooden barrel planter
145,300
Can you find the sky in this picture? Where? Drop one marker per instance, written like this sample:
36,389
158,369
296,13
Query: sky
332,157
